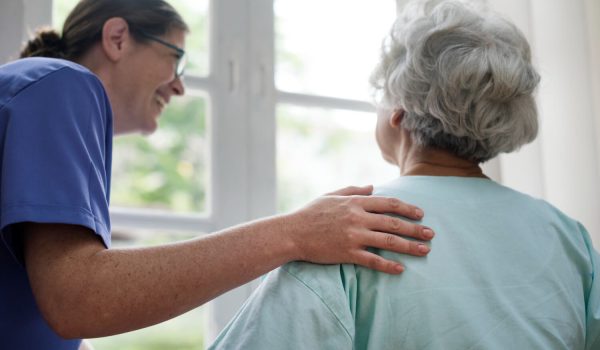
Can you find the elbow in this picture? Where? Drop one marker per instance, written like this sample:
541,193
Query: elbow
66,333
62,320
61,278
65,314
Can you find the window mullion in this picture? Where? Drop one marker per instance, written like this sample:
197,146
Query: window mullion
306,100
261,95
230,154
228,125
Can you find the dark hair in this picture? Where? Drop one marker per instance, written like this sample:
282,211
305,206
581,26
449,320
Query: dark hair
83,27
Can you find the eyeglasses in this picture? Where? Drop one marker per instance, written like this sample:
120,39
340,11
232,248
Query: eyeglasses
181,56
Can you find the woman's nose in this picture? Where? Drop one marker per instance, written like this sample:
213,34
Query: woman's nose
177,86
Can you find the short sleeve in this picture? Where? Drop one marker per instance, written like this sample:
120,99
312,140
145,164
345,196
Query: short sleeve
56,153
285,313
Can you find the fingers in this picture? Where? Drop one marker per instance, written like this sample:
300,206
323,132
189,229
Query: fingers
390,224
353,191
392,243
396,244
375,262
390,205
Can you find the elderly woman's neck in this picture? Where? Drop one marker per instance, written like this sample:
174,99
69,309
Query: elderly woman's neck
417,160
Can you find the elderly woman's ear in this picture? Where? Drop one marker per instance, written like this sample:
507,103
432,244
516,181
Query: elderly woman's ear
396,118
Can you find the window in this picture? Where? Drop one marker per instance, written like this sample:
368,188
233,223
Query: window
321,75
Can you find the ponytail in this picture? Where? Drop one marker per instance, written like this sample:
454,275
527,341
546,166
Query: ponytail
46,43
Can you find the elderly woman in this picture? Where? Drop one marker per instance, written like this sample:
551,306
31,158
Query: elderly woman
454,89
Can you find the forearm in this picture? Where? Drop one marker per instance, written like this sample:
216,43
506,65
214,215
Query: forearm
85,290
117,290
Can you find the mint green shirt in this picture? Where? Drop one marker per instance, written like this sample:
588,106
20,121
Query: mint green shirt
506,271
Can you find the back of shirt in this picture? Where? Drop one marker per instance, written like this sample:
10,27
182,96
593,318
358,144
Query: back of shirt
55,159
506,271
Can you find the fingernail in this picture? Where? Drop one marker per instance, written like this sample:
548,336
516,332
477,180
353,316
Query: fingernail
423,248
419,213
399,268
428,233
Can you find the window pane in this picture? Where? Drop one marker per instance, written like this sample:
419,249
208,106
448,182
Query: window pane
185,332
195,14
167,170
329,47
319,151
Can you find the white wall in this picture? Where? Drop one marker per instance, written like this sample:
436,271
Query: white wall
11,25
19,19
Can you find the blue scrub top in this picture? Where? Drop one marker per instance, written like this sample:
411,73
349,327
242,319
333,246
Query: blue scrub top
55,156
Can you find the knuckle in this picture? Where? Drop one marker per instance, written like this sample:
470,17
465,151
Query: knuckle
395,224
346,204
414,247
419,248
351,220
389,241
419,231
394,203
352,201
355,218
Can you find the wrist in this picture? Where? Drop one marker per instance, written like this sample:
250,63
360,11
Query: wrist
289,235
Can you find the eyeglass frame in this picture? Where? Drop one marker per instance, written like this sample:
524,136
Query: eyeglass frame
181,56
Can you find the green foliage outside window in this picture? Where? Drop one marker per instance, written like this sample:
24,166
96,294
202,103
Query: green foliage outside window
166,170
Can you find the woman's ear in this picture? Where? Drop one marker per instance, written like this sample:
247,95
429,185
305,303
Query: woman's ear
115,37
396,118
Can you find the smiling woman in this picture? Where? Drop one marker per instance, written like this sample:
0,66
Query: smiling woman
168,170
145,74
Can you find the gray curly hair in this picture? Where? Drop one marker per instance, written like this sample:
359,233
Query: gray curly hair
464,77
